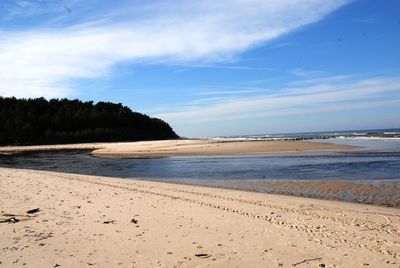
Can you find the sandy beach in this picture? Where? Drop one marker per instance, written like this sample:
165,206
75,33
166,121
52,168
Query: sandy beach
166,133
89,221
185,148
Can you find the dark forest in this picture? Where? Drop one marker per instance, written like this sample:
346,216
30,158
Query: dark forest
39,121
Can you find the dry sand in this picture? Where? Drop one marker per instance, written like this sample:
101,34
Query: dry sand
186,148
86,221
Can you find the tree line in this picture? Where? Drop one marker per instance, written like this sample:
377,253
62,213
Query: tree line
41,121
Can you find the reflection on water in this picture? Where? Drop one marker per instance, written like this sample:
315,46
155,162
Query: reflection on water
370,176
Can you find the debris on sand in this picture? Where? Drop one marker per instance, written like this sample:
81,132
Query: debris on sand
202,255
306,260
10,220
14,218
33,211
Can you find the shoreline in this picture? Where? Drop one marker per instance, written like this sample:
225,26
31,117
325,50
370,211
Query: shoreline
175,222
333,189
328,190
321,197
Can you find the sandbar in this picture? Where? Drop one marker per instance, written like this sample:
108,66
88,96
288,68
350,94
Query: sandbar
189,147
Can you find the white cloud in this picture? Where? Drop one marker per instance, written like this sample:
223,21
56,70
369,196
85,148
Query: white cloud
292,101
45,61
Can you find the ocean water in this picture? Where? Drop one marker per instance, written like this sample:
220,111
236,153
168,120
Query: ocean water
348,134
369,174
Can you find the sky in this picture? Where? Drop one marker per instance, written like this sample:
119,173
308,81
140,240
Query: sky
211,68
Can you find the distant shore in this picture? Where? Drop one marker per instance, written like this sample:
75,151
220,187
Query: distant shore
109,222
187,147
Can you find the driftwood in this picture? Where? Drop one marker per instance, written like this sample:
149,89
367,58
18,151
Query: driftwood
202,255
306,260
10,220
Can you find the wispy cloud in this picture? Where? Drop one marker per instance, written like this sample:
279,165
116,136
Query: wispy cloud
321,80
367,20
226,67
347,94
47,59
225,92
306,73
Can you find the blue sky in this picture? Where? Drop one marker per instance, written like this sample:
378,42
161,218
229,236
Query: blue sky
212,67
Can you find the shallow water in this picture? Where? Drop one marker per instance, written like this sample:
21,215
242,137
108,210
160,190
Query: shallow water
370,174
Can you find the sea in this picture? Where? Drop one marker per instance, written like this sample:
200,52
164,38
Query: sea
369,173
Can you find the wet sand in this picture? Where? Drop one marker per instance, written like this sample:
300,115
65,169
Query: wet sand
90,221
384,192
185,148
